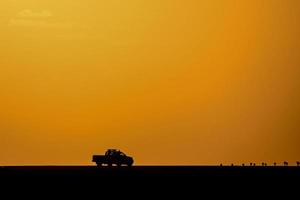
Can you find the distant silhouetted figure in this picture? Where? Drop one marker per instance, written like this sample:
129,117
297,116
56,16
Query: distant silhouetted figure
264,164
232,165
285,163
221,165
251,164
275,164
243,165
254,164
298,163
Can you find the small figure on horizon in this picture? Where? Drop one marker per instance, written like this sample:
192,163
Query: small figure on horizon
251,164
243,165
298,163
275,164
221,165
232,165
285,163
254,164
265,164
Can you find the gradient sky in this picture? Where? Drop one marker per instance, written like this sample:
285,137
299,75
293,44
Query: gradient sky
167,81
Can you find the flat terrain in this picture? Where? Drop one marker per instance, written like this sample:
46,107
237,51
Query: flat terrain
148,172
150,177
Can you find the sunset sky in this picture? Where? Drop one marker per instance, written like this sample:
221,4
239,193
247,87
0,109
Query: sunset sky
173,82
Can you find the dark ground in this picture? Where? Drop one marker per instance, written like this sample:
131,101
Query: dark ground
150,179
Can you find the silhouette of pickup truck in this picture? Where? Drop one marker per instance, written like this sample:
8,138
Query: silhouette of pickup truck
113,156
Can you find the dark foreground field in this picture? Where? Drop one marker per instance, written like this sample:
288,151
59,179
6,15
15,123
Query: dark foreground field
196,179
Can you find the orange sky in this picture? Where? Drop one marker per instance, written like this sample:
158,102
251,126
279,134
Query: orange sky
167,81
